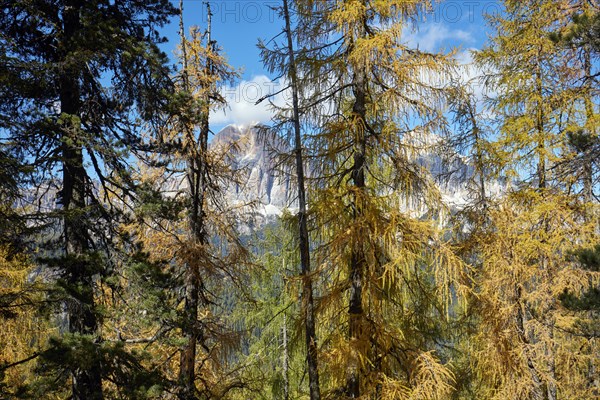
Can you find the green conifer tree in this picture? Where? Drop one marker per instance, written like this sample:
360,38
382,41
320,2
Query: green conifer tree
77,77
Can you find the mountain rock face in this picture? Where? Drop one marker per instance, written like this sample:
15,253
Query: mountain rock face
453,173
262,169
265,174
265,171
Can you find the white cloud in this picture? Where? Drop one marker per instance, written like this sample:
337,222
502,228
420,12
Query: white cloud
241,102
434,36
471,75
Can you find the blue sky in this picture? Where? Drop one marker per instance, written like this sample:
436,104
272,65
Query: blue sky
237,26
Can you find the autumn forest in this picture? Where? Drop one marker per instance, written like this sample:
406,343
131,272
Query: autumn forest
440,237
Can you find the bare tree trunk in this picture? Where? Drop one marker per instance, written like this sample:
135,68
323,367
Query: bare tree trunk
479,163
551,386
187,361
588,183
86,381
521,321
541,137
551,390
308,312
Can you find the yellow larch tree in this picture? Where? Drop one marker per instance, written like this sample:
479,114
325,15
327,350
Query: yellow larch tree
525,347
188,232
386,277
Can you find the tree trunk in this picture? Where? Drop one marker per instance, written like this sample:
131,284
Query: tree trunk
86,382
357,261
551,353
195,151
521,321
588,181
479,162
541,137
308,312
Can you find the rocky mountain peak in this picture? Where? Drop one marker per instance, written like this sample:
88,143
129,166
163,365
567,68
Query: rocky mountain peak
256,155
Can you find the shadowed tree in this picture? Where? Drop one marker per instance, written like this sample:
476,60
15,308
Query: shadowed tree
77,79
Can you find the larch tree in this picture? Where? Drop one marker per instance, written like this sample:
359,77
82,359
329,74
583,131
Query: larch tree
283,60
369,104
189,228
524,345
24,331
77,77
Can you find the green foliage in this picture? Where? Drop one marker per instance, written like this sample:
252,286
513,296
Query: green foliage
123,368
584,31
78,78
272,308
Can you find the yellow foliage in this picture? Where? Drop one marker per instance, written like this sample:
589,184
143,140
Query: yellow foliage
431,380
23,332
526,338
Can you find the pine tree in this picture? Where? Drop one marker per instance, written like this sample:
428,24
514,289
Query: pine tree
588,259
575,38
76,133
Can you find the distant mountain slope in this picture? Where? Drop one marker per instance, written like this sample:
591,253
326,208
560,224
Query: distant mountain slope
265,179
258,159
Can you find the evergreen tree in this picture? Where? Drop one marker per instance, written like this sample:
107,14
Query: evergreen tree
588,303
76,134
584,29
576,39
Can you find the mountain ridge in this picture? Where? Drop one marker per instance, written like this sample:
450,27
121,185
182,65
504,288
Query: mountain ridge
269,181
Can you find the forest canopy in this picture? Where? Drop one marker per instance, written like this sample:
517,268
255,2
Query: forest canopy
405,225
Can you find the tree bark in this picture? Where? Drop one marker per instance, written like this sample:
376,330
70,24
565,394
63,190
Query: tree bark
308,312
196,236
521,320
588,177
541,137
86,382
357,261
551,350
